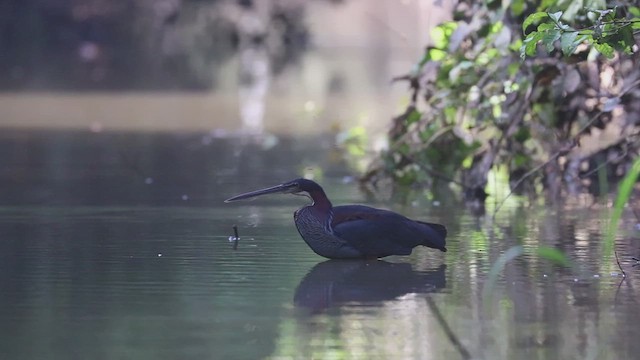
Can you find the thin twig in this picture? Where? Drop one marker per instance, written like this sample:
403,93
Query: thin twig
593,27
624,274
450,334
605,163
615,297
631,86
522,178
589,123
439,175
387,24
597,115
440,132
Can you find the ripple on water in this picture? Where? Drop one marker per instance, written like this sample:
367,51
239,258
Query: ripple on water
98,271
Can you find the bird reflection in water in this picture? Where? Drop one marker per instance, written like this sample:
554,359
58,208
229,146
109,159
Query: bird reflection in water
335,283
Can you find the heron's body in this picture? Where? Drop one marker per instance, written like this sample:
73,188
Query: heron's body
355,231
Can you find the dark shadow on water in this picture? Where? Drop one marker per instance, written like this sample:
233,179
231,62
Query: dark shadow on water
333,283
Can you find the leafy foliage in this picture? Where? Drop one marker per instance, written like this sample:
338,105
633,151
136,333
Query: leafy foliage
607,33
494,90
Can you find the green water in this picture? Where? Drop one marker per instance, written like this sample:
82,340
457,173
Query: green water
99,262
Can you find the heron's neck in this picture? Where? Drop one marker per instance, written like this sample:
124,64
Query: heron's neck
321,205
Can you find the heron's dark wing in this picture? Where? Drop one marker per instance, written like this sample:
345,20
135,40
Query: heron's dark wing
378,233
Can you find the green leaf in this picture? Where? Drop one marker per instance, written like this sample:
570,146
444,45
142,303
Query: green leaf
515,45
467,162
609,15
546,26
546,4
627,41
574,7
513,68
624,193
517,7
496,269
568,42
604,49
437,54
413,117
439,38
635,11
554,255
535,17
545,252
487,56
555,16
520,160
440,34
549,39
497,26
403,149
450,114
457,70
529,44
522,135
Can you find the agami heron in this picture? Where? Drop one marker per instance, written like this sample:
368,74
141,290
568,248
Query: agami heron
353,231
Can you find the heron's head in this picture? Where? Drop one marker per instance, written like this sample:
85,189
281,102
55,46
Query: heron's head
297,187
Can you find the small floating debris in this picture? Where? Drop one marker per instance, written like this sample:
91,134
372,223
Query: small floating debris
575,280
614,274
544,275
185,197
148,181
235,238
159,254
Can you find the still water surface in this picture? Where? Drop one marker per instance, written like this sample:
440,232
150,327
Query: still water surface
112,254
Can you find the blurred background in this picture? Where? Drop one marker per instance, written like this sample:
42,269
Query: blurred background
282,66
125,124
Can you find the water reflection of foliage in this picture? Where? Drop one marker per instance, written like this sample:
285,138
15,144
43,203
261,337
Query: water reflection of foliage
141,44
538,307
355,290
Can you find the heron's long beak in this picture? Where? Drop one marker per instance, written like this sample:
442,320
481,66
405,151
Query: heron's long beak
278,189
